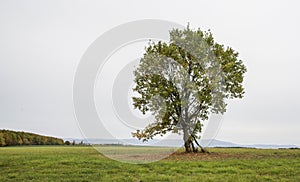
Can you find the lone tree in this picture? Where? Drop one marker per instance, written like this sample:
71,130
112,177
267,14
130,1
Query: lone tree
182,82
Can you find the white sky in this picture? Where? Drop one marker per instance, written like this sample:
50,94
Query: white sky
41,43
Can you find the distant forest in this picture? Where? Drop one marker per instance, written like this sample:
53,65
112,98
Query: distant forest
14,138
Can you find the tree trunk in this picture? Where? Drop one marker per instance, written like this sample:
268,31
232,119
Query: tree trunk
187,146
195,150
187,142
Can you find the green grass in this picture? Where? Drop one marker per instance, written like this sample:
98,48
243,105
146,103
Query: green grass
64,163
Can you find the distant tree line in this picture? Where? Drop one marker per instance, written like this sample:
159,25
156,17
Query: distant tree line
14,138
74,143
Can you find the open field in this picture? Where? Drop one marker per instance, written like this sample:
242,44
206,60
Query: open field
62,163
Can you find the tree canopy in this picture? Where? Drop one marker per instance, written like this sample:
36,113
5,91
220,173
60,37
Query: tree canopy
185,80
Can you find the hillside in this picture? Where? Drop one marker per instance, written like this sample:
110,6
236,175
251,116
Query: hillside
14,138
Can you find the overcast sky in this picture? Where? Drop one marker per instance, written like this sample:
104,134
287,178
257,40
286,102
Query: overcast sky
41,43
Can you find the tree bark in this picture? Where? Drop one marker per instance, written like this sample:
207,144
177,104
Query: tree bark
195,150
187,146
187,142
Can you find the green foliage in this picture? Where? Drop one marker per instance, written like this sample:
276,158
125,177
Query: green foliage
73,163
183,81
13,138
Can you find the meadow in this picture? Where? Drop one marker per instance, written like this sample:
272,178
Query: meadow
84,163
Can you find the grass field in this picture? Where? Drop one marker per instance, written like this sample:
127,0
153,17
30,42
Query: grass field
63,163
